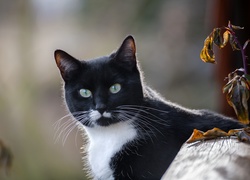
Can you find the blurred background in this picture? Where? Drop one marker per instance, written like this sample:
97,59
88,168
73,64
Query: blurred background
169,35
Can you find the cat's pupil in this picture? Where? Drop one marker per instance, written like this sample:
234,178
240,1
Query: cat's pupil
85,93
115,88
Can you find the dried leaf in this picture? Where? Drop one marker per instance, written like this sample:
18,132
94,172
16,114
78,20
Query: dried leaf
215,132
217,39
244,135
207,54
247,76
233,132
229,86
233,43
231,26
220,41
236,27
197,135
226,35
237,94
245,44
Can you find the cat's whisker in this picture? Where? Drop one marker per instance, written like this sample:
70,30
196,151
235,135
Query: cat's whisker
158,120
61,131
78,124
142,107
147,113
76,134
147,116
57,123
84,120
70,129
147,130
146,121
145,133
61,125
126,116
139,110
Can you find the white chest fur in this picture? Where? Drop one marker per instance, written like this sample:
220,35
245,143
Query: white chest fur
105,142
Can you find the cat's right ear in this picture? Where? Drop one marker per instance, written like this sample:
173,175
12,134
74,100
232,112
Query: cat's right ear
125,55
67,64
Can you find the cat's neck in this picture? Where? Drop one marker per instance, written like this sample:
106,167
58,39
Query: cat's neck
104,143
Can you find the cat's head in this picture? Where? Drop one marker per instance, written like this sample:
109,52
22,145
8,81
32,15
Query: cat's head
95,90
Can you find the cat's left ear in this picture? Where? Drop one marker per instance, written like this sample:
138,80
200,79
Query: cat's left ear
125,55
68,65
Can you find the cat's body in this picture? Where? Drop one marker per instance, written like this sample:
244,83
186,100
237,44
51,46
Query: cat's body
133,132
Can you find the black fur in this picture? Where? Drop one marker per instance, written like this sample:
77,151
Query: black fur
162,126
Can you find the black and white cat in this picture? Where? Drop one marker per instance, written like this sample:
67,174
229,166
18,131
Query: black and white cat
133,132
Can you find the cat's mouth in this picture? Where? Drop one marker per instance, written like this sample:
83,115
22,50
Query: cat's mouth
101,118
104,121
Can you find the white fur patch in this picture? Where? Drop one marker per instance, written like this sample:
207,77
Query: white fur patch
104,143
94,115
107,115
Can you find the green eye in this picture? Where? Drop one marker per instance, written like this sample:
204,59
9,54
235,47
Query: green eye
85,93
115,88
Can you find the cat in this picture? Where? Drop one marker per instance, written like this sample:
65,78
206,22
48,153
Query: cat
133,132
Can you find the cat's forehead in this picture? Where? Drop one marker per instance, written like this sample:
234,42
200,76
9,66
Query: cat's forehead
97,63
99,71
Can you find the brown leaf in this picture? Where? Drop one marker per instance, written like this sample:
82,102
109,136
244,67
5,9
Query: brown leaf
226,35
236,27
245,44
233,132
244,135
229,86
237,94
197,135
215,132
220,41
207,54
233,43
217,39
231,26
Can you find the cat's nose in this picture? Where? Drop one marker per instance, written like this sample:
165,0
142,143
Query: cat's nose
101,108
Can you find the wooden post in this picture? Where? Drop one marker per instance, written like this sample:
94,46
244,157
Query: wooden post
220,159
